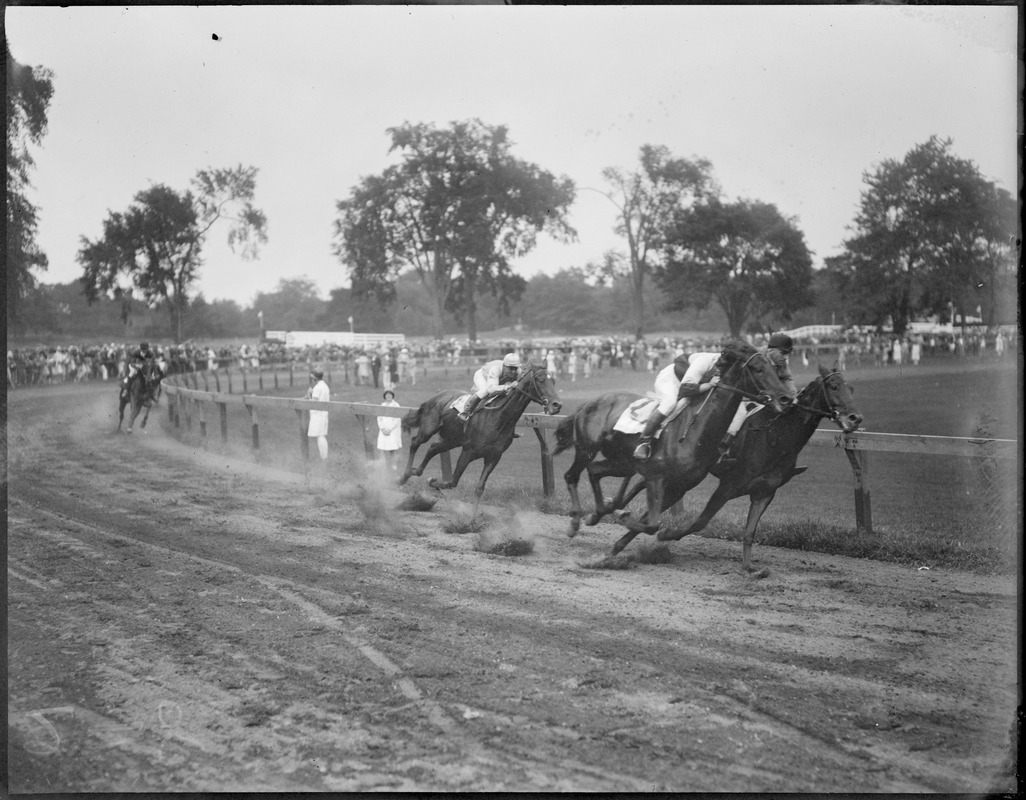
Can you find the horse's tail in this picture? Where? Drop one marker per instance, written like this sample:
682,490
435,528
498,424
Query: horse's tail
564,435
411,419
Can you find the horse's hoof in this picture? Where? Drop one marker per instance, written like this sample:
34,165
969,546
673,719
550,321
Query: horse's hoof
621,514
592,519
433,483
638,526
575,527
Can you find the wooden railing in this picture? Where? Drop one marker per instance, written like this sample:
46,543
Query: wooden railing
183,401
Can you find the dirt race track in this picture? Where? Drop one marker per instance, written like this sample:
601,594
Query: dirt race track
182,622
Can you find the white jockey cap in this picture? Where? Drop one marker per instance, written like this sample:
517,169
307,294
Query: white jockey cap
511,360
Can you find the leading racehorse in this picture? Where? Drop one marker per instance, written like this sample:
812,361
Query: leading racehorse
487,434
768,447
687,448
141,393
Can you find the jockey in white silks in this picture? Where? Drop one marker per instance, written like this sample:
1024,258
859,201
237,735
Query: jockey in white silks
496,376
777,350
686,377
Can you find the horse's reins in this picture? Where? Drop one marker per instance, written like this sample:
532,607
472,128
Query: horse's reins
758,398
832,413
539,400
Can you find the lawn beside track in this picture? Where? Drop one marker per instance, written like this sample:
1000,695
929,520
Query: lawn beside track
927,510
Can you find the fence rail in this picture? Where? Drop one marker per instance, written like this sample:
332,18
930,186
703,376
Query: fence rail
856,446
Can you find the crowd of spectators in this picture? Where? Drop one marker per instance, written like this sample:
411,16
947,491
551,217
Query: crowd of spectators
388,365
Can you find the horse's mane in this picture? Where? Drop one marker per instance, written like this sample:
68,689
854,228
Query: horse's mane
735,349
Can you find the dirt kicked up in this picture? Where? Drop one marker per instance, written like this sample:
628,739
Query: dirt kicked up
179,621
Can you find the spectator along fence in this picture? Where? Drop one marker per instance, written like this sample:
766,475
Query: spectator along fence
186,403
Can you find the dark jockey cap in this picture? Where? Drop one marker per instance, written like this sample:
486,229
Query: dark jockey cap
781,341
680,365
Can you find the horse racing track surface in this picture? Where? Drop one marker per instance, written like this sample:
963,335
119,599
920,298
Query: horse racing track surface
180,621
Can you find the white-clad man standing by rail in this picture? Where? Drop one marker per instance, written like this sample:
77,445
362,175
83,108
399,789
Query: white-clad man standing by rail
495,376
318,428
685,377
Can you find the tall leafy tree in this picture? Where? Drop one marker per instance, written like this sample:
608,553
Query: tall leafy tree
929,227
29,91
458,209
156,246
648,199
294,305
746,255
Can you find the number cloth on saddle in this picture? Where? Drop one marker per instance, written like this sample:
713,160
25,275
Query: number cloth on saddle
634,417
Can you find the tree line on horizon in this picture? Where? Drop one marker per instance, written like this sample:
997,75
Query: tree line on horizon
433,240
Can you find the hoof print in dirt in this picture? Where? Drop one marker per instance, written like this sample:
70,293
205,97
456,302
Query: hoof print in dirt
506,547
465,525
417,502
609,562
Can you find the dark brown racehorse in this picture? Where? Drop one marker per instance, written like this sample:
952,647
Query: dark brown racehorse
768,447
141,394
487,434
681,457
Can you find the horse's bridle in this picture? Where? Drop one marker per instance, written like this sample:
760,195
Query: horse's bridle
833,414
541,401
762,399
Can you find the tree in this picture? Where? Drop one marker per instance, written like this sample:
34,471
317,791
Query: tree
295,305
745,255
456,210
928,229
156,245
647,200
29,91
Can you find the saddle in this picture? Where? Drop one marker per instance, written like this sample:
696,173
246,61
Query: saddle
634,417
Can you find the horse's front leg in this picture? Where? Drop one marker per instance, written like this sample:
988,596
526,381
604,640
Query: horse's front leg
719,498
623,497
572,476
489,464
656,486
461,465
755,512
440,446
596,472
415,444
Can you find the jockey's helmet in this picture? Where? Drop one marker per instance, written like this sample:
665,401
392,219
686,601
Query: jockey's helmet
681,364
144,346
511,360
782,342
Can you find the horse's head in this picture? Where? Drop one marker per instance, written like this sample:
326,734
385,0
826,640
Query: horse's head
744,367
539,386
837,394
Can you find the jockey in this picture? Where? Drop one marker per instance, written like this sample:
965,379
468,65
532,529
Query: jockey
777,350
138,359
494,377
686,377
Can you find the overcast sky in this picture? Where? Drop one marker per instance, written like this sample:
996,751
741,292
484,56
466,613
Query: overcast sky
790,104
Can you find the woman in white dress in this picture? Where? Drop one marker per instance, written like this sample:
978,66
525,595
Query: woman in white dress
390,432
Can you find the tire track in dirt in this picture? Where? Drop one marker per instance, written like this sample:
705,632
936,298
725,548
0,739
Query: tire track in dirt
294,593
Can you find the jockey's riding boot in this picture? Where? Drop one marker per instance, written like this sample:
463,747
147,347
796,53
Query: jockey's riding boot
471,405
644,449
